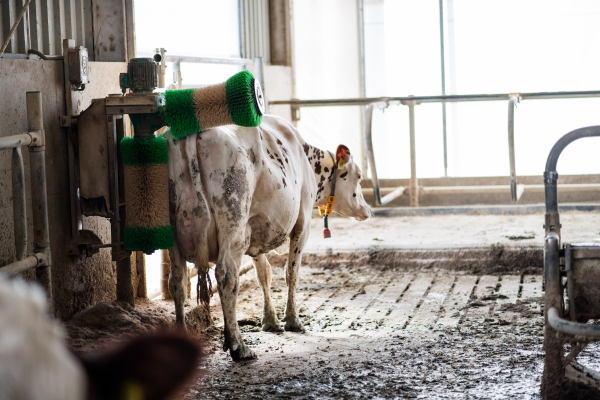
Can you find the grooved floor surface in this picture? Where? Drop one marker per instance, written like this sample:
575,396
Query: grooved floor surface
387,334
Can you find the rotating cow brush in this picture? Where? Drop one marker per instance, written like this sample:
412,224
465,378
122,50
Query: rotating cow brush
237,101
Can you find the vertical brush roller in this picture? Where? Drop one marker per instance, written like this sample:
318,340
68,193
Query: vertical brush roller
237,101
146,174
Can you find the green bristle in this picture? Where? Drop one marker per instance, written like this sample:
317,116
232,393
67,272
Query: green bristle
148,239
240,98
144,151
180,114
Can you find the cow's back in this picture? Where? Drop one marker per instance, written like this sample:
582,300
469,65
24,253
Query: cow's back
256,179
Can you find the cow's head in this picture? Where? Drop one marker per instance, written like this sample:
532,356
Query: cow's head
36,364
349,200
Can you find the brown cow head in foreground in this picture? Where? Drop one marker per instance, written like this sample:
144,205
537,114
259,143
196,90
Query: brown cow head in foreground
35,363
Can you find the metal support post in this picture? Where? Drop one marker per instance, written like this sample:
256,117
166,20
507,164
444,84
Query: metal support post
362,81
115,132
414,184
511,147
443,64
37,160
76,216
162,68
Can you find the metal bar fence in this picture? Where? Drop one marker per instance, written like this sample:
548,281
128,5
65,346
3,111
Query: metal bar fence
35,139
410,101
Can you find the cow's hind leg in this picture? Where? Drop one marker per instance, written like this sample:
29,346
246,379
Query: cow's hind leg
178,281
297,242
227,273
263,275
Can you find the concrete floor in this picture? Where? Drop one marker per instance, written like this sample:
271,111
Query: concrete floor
387,334
448,231
386,330
375,332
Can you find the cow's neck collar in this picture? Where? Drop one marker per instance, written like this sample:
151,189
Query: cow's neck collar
325,210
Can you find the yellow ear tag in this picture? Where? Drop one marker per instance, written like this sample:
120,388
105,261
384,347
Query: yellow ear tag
340,163
133,391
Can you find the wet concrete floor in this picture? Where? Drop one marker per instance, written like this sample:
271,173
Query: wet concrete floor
379,332
389,335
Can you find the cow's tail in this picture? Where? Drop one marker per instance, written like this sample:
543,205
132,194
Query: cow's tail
204,286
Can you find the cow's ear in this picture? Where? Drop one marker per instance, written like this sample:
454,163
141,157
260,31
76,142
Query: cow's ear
342,156
150,368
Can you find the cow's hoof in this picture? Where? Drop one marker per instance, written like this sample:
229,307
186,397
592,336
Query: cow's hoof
271,325
293,324
181,324
241,352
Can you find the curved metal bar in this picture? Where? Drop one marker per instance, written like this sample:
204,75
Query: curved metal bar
551,176
567,139
370,154
572,328
19,209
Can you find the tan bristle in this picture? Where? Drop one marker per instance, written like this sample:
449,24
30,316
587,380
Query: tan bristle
211,106
147,194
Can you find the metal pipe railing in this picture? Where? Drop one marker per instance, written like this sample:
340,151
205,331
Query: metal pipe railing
12,142
411,101
201,60
358,101
34,138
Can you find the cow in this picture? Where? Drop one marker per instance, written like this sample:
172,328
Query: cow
236,191
36,364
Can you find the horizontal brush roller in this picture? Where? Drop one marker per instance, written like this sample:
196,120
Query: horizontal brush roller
237,101
146,175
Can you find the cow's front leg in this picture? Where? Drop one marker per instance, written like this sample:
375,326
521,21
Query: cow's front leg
178,283
297,242
227,274
263,275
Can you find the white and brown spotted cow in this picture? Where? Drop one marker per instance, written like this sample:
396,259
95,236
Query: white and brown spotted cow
236,191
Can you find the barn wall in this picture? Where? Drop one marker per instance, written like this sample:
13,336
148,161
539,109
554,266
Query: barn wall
78,282
278,86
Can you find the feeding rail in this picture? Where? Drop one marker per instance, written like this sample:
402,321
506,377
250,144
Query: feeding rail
372,103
